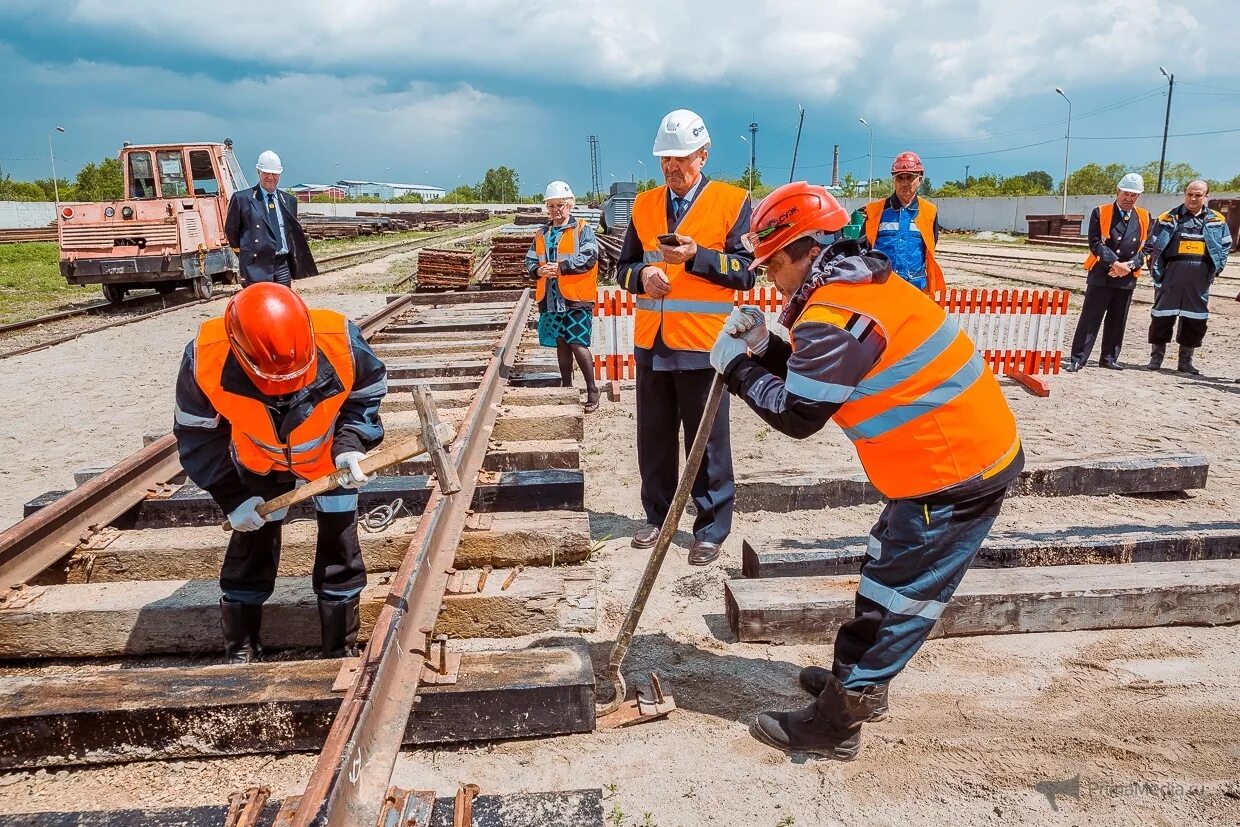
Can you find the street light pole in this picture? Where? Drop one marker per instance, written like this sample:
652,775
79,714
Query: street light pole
334,188
1162,158
1067,143
52,154
749,172
869,183
643,166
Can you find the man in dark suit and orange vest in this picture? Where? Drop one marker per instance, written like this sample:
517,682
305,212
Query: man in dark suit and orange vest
906,227
683,257
270,394
927,418
1117,233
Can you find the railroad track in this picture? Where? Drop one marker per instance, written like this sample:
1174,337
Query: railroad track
124,566
327,264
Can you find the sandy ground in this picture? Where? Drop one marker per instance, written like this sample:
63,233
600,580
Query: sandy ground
1144,721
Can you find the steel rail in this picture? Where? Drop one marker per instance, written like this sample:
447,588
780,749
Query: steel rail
351,778
37,542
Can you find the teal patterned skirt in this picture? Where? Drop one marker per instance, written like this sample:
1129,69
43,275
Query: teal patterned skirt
573,325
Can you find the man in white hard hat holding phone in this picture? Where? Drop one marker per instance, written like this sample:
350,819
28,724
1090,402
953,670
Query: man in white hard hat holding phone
263,230
684,258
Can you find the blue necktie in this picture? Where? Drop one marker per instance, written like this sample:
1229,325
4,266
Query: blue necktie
678,206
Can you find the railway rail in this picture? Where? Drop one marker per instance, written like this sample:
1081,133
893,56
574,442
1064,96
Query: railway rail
122,312
474,351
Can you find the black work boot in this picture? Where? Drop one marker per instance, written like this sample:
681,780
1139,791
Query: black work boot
339,621
830,727
241,623
1186,361
814,678
1157,352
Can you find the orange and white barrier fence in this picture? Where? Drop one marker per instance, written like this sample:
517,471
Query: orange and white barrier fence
1019,333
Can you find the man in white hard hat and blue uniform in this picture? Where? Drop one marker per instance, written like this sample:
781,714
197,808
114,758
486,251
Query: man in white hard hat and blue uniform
1117,234
684,258
263,230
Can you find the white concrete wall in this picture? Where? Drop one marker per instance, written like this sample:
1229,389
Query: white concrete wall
25,214
1008,214
343,209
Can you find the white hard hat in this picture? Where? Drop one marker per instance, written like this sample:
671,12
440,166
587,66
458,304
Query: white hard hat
681,133
558,189
269,162
1132,182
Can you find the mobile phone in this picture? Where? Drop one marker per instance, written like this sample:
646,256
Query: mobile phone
669,239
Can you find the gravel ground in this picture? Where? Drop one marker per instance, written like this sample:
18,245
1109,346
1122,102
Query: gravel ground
1144,720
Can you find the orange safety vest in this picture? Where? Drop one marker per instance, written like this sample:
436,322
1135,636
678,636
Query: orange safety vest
1105,213
691,316
929,415
926,213
582,287
255,445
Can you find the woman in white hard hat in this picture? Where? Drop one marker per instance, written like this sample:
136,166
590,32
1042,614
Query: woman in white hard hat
564,258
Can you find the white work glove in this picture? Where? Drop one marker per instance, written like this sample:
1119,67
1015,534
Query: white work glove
245,517
352,461
749,323
727,348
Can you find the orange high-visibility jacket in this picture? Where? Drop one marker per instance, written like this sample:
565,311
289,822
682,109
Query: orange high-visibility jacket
1105,213
691,316
929,415
582,287
256,447
926,213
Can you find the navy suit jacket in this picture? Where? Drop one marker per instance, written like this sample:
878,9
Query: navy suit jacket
254,242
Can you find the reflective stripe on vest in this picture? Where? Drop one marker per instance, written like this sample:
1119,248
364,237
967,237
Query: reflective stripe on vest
929,415
926,214
579,287
255,444
1105,214
691,316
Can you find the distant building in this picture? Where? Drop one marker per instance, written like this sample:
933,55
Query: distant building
388,192
305,192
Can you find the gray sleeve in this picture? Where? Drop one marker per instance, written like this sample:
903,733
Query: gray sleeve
586,256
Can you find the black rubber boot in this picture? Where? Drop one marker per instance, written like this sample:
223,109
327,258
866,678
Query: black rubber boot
241,623
830,727
1185,364
814,678
339,621
1157,353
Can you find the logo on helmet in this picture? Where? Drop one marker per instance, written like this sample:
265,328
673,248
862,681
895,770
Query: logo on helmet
783,218
698,131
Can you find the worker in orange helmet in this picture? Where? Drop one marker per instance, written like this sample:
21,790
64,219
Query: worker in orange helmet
928,421
905,226
270,394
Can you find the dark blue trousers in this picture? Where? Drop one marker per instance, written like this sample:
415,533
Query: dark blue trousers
917,555
669,407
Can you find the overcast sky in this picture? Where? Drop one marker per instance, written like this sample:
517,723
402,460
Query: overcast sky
435,92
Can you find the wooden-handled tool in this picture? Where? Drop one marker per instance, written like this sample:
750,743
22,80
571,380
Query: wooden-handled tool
434,436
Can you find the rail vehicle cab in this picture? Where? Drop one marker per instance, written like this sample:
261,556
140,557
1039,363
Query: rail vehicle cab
166,233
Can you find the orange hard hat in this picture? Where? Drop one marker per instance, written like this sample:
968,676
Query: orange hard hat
790,212
907,162
269,331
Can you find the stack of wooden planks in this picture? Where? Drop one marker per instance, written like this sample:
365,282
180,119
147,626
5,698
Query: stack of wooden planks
445,268
510,245
24,234
323,226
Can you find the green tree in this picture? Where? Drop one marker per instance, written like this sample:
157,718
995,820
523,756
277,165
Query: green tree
1095,179
647,184
1177,175
500,185
49,191
409,198
1226,186
104,181
850,186
464,194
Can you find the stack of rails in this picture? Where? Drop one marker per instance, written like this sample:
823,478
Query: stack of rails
432,219
445,268
527,216
321,226
509,246
24,234
608,256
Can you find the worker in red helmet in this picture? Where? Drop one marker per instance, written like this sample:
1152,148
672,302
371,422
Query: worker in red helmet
905,226
268,395
926,416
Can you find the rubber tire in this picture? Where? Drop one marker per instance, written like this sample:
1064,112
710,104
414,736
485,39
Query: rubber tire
163,288
203,288
115,293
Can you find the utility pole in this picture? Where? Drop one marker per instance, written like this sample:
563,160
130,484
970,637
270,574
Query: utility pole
966,176
800,123
1067,142
869,183
753,152
593,139
1162,159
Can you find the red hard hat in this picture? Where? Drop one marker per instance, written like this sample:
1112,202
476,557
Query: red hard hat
269,331
790,212
907,162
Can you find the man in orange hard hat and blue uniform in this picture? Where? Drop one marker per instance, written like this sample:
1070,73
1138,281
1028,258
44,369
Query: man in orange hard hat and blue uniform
905,227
